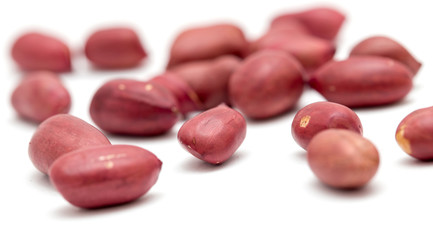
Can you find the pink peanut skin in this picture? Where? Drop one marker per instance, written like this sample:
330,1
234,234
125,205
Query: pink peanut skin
414,134
266,84
342,159
130,107
214,135
208,42
319,116
310,51
323,22
386,47
186,97
59,135
209,78
115,48
39,96
105,175
36,51
363,81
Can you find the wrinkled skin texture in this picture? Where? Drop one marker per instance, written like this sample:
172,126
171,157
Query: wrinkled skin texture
35,51
208,42
105,175
186,97
266,84
319,116
310,51
39,96
363,81
386,47
214,135
415,134
209,79
321,22
131,107
115,48
59,135
342,159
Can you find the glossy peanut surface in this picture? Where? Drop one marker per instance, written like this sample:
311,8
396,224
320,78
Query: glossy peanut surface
130,107
414,134
319,116
208,42
105,175
363,81
214,135
266,84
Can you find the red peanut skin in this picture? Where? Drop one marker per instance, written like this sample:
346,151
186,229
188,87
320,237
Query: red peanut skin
386,47
202,43
214,135
105,175
414,134
209,78
310,51
187,99
115,48
130,107
322,22
266,84
36,51
39,96
286,29
342,159
363,81
319,116
59,135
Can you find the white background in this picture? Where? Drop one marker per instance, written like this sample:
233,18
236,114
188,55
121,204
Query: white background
266,191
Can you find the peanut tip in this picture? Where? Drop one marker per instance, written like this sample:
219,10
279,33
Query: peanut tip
402,141
304,121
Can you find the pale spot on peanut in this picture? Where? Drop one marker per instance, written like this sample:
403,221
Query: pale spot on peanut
402,141
109,164
111,156
148,87
194,141
121,86
332,88
174,110
304,121
390,63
